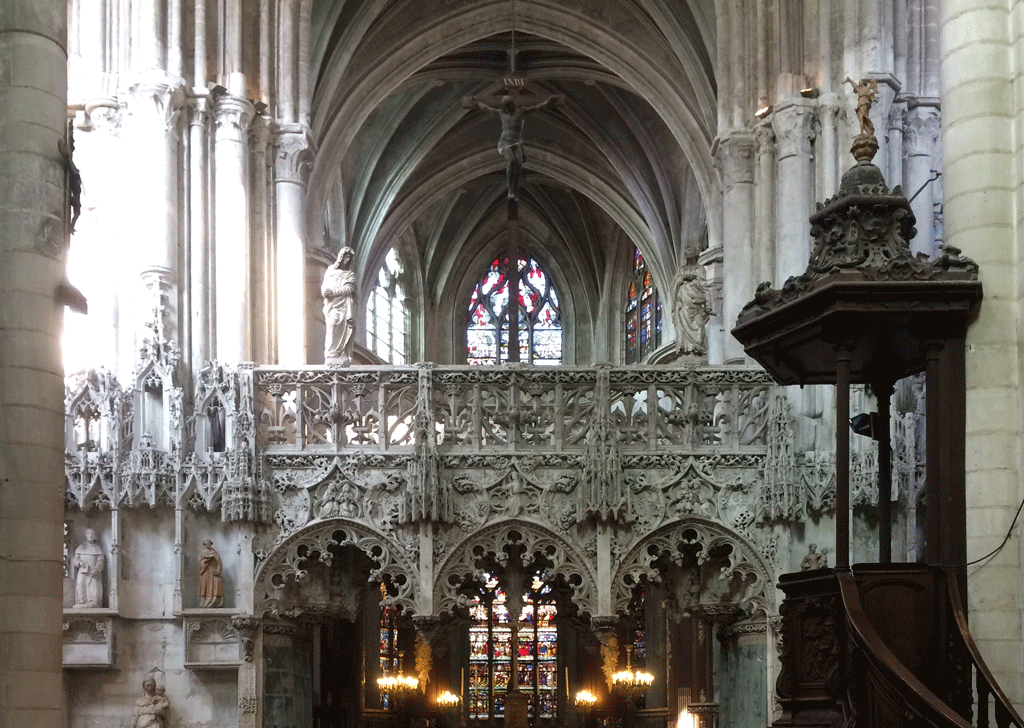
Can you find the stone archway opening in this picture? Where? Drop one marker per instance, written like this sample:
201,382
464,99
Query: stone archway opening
681,595
340,627
513,627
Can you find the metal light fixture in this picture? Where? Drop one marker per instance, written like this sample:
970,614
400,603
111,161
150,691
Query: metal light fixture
629,682
398,684
585,700
447,699
763,111
865,424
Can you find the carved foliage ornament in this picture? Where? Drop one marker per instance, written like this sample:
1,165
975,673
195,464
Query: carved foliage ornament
861,235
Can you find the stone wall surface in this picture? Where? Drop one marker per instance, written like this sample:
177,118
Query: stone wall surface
107,698
981,152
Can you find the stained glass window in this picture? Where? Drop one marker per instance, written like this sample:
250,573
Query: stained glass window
490,651
386,317
388,653
539,320
643,313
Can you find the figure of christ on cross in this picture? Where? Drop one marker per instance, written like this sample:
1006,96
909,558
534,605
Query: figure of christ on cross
510,145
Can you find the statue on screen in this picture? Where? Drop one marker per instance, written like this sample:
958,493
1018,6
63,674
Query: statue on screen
152,708
211,583
89,564
691,310
339,292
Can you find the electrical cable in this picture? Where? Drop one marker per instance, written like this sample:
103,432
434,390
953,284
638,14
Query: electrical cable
996,550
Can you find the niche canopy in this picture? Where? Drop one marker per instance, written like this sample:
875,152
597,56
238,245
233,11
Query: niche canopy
863,290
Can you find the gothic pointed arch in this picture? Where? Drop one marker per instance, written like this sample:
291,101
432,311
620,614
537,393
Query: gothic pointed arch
537,544
318,543
706,567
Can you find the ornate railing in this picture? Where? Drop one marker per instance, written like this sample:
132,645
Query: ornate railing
248,433
916,688
509,409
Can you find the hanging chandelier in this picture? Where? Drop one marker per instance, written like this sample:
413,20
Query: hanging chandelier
629,682
398,683
448,699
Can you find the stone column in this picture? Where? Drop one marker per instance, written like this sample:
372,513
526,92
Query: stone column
249,713
33,240
199,233
151,136
894,131
287,690
792,126
291,170
736,153
764,202
981,181
921,140
884,98
794,197
829,156
232,257
261,245
91,340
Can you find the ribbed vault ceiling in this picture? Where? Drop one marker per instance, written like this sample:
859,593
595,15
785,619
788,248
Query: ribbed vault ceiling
627,158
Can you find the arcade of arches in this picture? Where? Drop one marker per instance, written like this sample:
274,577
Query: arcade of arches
534,488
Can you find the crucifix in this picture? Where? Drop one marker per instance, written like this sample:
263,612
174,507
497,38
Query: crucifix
512,103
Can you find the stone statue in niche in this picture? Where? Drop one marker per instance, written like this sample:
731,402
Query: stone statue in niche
152,708
510,144
339,292
813,559
211,584
690,310
89,564
217,418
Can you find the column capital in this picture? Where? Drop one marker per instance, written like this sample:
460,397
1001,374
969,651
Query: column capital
921,130
294,154
764,136
155,103
200,106
897,116
736,155
259,133
232,116
794,129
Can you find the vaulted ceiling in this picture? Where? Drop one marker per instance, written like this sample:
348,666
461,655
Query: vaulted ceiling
626,159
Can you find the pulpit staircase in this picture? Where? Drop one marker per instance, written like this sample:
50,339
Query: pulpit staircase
881,645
